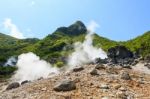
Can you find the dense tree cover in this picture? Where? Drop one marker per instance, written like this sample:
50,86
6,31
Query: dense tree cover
6,72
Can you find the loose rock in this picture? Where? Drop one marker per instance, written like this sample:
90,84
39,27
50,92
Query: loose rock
125,76
94,72
24,82
99,66
65,85
104,86
121,95
77,69
13,85
117,86
122,89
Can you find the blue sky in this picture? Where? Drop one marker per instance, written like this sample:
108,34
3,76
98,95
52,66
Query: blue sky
118,19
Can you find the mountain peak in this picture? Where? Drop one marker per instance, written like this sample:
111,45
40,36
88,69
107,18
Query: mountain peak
76,28
79,23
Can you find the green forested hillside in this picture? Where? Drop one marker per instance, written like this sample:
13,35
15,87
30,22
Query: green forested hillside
10,46
56,46
140,44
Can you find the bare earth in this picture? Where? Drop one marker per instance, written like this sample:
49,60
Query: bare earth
87,86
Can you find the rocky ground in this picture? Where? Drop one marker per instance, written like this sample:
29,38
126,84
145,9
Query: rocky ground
90,82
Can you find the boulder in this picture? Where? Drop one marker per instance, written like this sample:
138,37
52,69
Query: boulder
101,61
99,66
66,85
119,52
117,86
78,68
24,82
94,72
13,85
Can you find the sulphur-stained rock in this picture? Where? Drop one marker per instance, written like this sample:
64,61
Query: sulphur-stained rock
125,76
66,85
13,85
77,69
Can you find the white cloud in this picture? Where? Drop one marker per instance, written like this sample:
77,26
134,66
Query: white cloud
12,28
32,3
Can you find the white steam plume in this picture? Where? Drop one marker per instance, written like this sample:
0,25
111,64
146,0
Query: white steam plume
13,29
85,52
30,67
11,61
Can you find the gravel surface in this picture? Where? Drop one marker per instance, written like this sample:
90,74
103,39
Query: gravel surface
107,84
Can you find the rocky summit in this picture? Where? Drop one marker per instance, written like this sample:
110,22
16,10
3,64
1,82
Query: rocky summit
75,29
95,81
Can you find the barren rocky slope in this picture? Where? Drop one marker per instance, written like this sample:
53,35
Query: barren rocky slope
93,82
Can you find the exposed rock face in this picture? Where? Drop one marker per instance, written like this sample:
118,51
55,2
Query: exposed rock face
119,52
74,29
13,85
121,55
77,28
65,85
